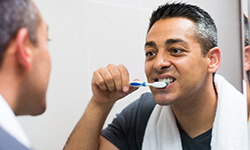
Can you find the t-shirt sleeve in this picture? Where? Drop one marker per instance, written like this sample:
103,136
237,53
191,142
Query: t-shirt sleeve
127,129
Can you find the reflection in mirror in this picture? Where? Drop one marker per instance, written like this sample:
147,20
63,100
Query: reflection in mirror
110,31
245,50
247,54
246,58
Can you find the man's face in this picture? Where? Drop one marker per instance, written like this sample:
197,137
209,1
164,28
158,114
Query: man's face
172,53
38,78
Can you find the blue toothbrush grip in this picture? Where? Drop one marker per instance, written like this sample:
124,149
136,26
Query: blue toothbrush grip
135,84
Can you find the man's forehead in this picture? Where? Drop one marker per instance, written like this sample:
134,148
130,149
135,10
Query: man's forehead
172,28
174,23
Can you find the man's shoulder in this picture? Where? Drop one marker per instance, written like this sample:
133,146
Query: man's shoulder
127,130
146,102
138,112
224,87
9,142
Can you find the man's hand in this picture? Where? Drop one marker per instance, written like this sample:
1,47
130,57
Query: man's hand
110,84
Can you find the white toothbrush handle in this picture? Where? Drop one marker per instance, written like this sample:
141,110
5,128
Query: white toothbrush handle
144,84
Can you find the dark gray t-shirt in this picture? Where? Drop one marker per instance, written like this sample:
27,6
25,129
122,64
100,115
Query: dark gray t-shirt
127,130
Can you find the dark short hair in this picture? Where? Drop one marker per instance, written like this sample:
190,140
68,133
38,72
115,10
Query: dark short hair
205,31
246,31
246,39
14,15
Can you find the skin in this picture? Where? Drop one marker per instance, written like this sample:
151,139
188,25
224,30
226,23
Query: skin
170,45
24,74
247,67
166,60
192,91
109,84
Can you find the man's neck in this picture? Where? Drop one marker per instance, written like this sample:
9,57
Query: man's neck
8,89
196,115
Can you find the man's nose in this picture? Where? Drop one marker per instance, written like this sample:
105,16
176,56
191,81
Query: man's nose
162,62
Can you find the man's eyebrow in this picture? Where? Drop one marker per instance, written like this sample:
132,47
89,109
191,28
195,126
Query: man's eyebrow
172,41
169,41
151,44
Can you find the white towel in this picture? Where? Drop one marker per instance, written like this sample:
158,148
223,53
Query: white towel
229,128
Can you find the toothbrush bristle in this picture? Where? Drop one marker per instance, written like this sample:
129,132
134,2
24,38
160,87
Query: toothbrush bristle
160,84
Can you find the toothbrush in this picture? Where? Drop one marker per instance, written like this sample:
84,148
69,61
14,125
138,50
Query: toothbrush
155,84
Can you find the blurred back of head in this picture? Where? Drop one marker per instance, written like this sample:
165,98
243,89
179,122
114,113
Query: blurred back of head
15,14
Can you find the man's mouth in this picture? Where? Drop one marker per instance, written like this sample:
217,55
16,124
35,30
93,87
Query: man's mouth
168,80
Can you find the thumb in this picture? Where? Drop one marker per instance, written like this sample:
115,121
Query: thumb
132,88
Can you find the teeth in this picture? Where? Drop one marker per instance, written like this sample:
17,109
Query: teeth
168,80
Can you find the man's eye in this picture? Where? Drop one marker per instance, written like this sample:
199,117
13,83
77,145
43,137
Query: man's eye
176,51
148,54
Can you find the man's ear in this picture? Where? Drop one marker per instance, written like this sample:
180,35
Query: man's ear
213,59
247,59
24,51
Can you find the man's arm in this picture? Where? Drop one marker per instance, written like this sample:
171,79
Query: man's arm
106,144
108,85
87,131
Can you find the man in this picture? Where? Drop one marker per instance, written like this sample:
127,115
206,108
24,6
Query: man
197,110
247,63
24,68
247,67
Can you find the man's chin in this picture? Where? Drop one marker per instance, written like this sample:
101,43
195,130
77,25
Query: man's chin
31,113
163,101
38,111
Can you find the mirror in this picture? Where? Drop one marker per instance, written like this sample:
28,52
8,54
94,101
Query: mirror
245,48
110,31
